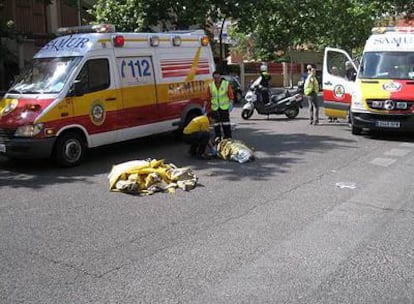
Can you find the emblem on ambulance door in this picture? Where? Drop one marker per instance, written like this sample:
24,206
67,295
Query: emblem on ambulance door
97,114
339,91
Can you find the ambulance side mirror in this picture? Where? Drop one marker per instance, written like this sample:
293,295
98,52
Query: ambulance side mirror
76,89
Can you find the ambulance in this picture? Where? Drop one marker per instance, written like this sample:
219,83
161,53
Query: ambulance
381,96
92,86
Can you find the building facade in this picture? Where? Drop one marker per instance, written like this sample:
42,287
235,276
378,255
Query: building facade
28,24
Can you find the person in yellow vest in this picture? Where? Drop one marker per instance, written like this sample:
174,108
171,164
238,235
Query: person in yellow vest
197,134
221,96
311,89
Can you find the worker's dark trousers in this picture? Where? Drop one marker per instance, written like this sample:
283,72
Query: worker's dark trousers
313,108
222,120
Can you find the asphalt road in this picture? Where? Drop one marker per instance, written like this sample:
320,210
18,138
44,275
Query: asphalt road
321,216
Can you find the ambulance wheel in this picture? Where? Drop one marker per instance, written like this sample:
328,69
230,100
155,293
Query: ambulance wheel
246,114
356,130
190,116
70,149
292,113
178,134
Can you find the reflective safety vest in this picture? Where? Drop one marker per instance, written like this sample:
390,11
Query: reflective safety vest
311,85
220,97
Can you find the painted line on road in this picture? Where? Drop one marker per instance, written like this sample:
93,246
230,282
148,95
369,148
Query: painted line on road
407,145
397,152
383,162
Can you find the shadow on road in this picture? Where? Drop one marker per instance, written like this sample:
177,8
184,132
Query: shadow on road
99,161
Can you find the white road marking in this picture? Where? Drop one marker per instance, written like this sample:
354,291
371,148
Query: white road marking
397,152
407,145
383,162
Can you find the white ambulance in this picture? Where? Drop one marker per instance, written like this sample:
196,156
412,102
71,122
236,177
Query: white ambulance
93,87
381,96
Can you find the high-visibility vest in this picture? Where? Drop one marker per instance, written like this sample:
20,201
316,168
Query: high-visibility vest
220,97
311,87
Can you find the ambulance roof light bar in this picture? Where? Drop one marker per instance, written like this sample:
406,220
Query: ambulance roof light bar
95,28
395,29
191,32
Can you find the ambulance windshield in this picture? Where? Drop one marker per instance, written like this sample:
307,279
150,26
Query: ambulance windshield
387,65
45,75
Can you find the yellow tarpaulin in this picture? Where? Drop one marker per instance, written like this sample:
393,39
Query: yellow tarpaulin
150,176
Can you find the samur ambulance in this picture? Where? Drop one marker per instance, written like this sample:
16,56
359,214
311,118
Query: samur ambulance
88,89
382,95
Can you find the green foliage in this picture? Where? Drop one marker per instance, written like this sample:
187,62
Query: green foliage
281,24
273,25
126,15
140,15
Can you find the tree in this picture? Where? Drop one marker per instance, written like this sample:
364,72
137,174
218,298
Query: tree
126,15
280,24
142,15
273,25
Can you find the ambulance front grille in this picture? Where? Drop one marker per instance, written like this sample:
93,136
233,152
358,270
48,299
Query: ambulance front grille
397,105
6,134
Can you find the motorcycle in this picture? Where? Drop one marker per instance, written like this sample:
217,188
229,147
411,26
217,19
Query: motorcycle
287,102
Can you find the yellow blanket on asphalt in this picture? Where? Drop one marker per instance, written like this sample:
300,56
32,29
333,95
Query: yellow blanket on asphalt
150,176
233,149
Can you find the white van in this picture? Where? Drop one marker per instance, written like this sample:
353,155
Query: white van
382,95
93,87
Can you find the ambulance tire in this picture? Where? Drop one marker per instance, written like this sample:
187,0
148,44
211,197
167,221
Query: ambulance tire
178,134
190,117
69,150
356,130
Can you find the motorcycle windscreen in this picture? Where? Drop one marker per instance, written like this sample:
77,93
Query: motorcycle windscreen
339,73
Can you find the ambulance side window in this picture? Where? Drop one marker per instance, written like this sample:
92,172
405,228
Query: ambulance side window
94,76
337,64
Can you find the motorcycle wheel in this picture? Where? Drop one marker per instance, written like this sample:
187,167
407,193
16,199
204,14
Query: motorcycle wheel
292,113
246,114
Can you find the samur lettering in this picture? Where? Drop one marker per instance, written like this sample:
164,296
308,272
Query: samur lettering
180,90
394,40
66,43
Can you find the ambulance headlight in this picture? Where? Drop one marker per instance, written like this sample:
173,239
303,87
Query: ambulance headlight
10,106
28,130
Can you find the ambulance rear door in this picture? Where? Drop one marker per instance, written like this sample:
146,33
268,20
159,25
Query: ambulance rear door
339,73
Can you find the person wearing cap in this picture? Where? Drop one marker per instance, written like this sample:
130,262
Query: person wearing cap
311,90
221,97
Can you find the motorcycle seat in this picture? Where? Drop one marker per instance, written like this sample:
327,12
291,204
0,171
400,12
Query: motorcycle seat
281,95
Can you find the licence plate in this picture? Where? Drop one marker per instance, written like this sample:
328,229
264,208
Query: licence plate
3,148
387,124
